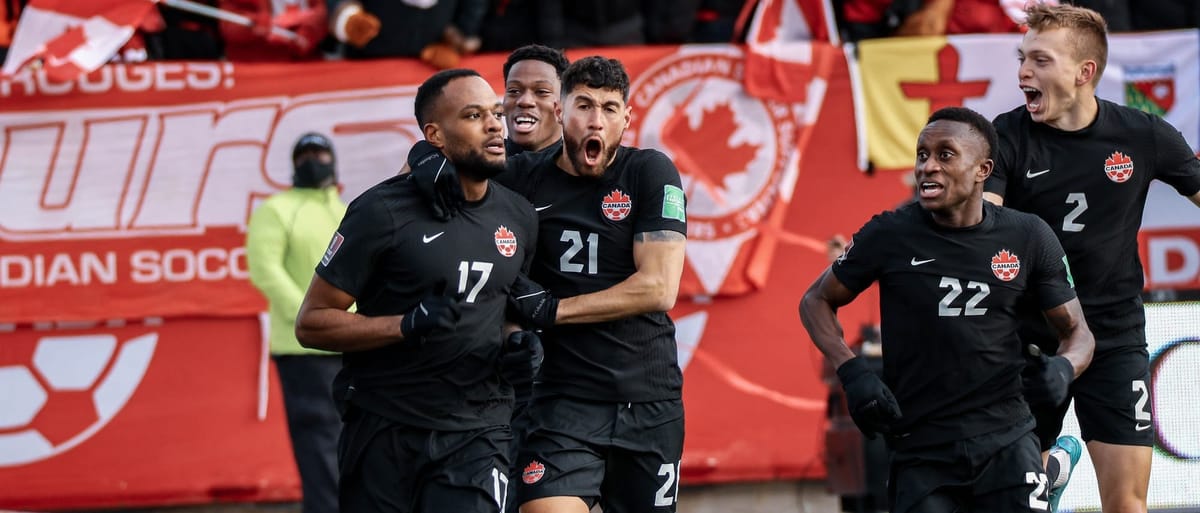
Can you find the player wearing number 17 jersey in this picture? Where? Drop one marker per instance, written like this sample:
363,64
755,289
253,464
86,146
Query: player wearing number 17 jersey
952,271
606,422
425,427
1084,165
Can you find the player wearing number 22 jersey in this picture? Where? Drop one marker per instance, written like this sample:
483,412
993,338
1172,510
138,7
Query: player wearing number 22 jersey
953,271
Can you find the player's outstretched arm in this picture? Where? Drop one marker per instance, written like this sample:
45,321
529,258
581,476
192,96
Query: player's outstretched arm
1075,339
658,256
818,312
994,198
324,323
1195,199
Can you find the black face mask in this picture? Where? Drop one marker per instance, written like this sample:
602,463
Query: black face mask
311,174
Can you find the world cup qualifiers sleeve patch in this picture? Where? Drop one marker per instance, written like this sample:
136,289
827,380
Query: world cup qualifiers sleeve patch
674,203
1070,278
334,245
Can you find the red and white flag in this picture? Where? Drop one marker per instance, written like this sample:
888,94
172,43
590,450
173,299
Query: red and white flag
781,56
73,37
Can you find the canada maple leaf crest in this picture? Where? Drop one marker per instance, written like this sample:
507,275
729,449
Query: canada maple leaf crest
1118,167
616,205
695,153
1006,265
533,472
506,241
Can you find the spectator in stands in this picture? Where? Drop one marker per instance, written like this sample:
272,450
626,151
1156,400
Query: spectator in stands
586,23
437,31
306,18
510,24
285,239
715,20
10,10
185,36
881,18
1166,14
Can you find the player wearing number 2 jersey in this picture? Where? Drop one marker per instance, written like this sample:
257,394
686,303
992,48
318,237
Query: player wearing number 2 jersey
1084,165
427,413
952,271
606,423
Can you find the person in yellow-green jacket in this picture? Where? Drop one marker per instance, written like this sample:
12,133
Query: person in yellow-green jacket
286,238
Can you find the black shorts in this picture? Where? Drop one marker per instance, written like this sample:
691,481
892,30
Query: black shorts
387,467
1112,397
998,472
626,455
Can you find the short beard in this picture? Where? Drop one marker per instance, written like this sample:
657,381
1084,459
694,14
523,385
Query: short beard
573,146
476,166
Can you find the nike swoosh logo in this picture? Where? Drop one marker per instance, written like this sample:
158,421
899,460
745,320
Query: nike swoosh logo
539,209
429,238
916,262
1030,174
1141,427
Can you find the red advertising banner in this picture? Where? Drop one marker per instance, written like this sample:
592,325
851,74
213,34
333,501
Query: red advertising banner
155,411
1171,257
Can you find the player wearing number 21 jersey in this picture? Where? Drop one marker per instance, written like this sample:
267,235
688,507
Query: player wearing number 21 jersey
606,422
952,270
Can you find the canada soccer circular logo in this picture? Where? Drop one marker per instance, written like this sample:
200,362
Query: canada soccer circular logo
506,241
59,391
1006,265
533,472
616,205
730,148
1118,167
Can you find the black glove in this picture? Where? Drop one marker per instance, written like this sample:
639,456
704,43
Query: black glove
872,405
436,180
437,311
521,357
1047,379
532,304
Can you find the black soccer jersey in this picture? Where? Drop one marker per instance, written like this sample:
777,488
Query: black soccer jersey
948,301
513,149
1090,186
585,244
388,253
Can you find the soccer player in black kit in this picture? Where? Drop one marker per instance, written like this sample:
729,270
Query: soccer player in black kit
607,416
532,87
427,413
1084,165
952,270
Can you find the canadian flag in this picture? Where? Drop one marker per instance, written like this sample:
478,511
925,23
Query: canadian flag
73,37
781,56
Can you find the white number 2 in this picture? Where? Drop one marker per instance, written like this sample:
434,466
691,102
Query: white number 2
955,286
1035,497
671,484
484,268
1080,201
1140,413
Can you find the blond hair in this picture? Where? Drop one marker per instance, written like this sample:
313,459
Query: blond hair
1089,32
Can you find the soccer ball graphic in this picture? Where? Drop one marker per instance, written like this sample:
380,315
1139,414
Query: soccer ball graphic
64,389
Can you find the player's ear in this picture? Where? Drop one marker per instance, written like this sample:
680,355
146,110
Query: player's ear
984,170
433,133
628,116
1087,72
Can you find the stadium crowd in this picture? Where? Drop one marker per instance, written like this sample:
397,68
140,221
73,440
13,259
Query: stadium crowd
441,31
